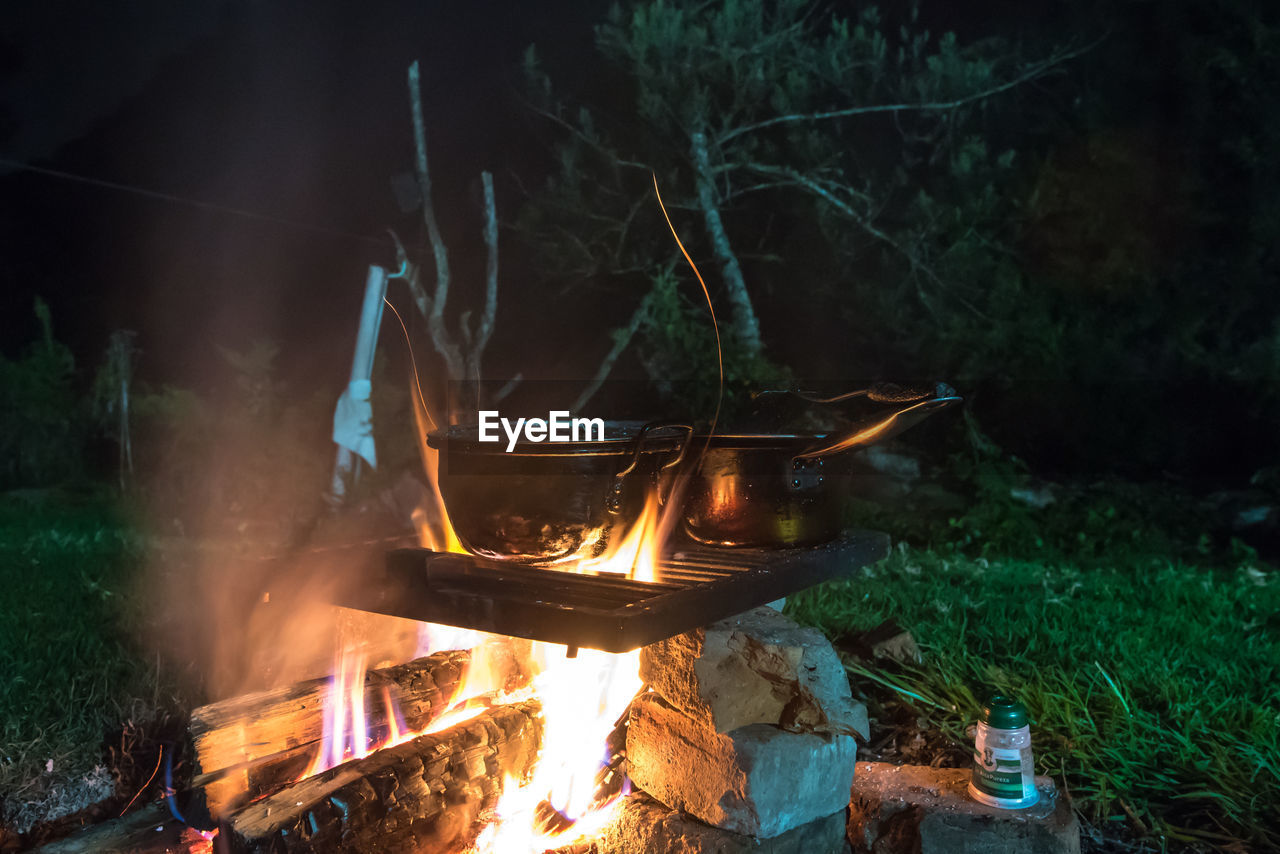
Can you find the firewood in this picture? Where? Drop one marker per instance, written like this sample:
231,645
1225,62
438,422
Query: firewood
431,794
253,744
150,830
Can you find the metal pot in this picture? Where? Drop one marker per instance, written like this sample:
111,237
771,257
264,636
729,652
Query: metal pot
543,502
784,491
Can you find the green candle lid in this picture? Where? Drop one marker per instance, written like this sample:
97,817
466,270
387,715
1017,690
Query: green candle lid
1003,712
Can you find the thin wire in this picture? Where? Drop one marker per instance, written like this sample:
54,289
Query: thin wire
144,785
421,400
714,324
195,203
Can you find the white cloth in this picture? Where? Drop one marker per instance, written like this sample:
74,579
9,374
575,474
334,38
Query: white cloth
353,421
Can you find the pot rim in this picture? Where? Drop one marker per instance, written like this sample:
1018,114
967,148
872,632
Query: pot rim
457,439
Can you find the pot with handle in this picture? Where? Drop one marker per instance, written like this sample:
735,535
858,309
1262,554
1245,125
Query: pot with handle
542,502
777,491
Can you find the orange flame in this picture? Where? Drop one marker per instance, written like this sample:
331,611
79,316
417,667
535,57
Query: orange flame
348,733
435,531
582,699
635,555
345,734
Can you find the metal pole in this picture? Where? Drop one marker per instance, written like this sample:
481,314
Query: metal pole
375,291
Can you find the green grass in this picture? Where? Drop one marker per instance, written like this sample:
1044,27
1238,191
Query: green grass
1153,684
69,675
1147,657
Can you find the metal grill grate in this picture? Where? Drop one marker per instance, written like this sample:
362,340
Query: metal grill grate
696,586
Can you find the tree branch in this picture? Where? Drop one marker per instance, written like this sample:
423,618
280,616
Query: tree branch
824,193
577,132
491,268
1035,71
411,277
440,337
745,325
622,337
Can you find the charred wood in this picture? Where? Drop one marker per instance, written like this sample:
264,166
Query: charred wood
254,744
431,794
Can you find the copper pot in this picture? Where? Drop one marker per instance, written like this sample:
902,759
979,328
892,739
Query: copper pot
777,491
541,503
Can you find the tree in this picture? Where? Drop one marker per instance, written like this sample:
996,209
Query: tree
461,351
745,107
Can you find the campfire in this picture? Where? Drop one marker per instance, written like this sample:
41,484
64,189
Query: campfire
589,617
512,742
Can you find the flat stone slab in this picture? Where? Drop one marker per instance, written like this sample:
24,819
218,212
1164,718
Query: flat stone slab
759,667
927,810
643,824
756,780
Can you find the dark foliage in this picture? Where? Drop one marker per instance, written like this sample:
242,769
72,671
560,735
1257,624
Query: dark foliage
42,420
1089,255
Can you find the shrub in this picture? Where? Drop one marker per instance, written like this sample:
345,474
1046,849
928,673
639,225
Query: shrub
43,425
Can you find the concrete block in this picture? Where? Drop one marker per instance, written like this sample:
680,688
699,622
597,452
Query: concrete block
928,811
756,668
756,780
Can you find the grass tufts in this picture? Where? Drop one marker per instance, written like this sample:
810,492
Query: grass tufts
72,674
1188,750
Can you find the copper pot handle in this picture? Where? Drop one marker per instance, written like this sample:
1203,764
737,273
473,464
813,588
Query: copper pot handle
877,393
865,434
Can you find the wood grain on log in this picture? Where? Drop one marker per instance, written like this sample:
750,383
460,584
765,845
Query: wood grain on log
432,793
253,744
150,830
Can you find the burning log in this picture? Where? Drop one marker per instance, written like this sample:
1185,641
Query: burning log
432,793
254,744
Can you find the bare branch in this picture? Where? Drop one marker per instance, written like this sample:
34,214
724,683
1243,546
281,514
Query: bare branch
757,188
1035,71
626,227
577,132
827,195
621,338
491,268
411,277
440,337
507,387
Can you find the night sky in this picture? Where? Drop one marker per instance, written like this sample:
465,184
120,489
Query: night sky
272,133
294,112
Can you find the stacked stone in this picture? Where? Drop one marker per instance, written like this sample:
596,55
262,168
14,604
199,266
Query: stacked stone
749,727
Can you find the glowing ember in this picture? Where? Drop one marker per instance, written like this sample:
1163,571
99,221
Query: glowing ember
197,841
